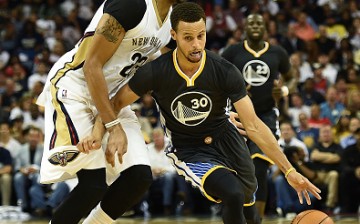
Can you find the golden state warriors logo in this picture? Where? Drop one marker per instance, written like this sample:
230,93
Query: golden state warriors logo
256,72
191,108
63,158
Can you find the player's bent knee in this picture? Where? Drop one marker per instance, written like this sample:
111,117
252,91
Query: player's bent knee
234,197
142,176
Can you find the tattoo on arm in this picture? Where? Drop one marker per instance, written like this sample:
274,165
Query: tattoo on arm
111,30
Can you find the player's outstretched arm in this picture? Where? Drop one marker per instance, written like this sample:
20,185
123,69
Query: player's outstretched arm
259,133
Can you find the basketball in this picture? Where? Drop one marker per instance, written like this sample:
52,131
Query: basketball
312,217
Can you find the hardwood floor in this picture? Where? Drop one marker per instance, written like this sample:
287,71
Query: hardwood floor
193,220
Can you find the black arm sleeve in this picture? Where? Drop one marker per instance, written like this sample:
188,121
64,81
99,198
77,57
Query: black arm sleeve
127,12
142,82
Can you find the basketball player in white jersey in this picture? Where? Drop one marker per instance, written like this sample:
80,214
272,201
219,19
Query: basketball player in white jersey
122,36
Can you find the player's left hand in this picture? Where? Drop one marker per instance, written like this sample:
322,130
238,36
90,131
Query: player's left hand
89,143
233,118
303,186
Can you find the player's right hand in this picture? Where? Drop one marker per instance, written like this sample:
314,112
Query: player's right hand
303,187
117,142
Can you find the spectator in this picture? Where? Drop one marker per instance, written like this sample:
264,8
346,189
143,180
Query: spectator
302,67
45,198
219,27
328,69
354,125
235,12
309,94
303,29
305,133
164,173
40,75
27,166
326,159
341,128
344,54
4,58
269,6
315,120
350,177
342,89
29,43
326,45
8,142
5,176
353,102
291,42
331,108
296,107
34,118
288,139
8,37
321,84
11,95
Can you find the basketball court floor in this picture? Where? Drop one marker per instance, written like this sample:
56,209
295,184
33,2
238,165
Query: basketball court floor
192,220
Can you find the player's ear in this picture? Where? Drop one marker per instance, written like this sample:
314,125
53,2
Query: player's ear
173,34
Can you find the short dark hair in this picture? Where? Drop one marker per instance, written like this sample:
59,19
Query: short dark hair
290,150
189,12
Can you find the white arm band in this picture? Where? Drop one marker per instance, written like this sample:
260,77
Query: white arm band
112,123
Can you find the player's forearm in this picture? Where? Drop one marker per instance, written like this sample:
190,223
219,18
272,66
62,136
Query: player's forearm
99,128
266,141
99,92
124,97
331,158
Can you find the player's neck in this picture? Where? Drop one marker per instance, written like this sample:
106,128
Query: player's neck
163,7
256,45
189,69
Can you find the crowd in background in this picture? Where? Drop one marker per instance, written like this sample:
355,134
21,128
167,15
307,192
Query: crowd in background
320,118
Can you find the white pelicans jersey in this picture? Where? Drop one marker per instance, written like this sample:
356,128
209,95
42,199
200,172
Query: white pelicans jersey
69,109
145,35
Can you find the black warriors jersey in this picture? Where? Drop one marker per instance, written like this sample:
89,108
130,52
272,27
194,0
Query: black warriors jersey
259,69
191,108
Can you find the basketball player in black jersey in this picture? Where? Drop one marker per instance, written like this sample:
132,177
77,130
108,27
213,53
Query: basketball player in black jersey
192,87
261,65
102,55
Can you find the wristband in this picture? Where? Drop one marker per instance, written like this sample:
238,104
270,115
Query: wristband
289,171
112,123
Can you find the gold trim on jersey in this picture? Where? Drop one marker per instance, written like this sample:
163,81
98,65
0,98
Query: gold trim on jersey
189,81
160,21
260,156
259,53
61,126
210,171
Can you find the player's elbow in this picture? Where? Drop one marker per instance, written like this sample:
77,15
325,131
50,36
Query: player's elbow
90,67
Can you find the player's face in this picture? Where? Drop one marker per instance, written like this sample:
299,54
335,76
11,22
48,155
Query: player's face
190,39
255,27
